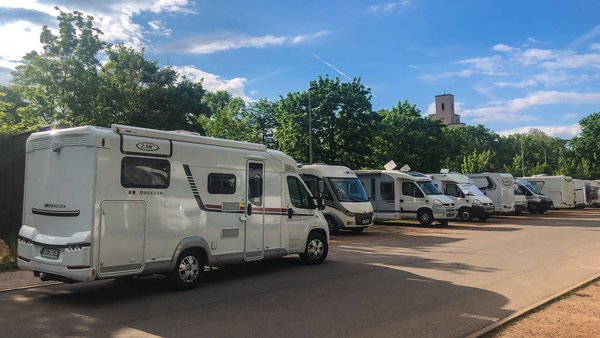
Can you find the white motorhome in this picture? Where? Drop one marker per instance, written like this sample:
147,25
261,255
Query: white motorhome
537,202
580,194
520,200
559,188
398,194
591,192
109,203
469,201
499,187
346,203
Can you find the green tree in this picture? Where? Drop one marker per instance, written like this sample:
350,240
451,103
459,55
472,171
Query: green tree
262,121
60,83
586,148
406,137
478,162
229,117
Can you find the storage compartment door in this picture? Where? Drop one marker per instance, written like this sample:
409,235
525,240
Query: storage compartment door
122,231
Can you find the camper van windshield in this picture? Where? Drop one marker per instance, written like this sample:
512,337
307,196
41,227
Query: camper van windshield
470,190
428,188
348,189
531,187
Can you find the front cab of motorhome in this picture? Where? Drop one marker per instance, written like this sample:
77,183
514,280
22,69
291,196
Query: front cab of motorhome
110,203
346,203
470,201
537,203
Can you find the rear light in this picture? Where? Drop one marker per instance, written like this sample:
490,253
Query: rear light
93,273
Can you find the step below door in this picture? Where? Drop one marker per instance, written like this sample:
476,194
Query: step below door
122,230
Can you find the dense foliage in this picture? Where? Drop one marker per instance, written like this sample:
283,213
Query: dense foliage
66,84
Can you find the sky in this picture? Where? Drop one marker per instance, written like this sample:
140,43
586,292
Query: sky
511,65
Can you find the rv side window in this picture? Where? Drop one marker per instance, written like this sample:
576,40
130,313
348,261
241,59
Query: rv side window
221,184
311,183
386,189
452,190
299,197
137,172
255,183
410,189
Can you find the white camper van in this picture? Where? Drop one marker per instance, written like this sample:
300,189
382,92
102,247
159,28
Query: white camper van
499,187
559,188
580,196
591,192
404,195
109,203
469,201
537,202
346,203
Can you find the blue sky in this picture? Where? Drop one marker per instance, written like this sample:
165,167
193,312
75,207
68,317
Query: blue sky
511,65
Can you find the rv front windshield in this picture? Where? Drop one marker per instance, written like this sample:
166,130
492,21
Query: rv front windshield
531,187
470,190
348,189
428,188
517,190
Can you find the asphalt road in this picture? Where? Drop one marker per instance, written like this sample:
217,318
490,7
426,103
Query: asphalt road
393,280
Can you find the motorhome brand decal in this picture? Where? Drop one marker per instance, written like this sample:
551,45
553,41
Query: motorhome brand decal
56,206
147,146
145,192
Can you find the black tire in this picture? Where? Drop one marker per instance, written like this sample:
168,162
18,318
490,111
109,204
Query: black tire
333,226
533,208
541,212
316,249
425,217
465,214
484,218
517,213
444,222
357,230
187,272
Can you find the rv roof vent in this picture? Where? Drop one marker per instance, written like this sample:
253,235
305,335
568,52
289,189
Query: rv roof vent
406,168
444,171
390,165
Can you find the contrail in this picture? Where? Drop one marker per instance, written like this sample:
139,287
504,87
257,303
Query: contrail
333,67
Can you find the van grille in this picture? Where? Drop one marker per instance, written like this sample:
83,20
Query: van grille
66,140
361,218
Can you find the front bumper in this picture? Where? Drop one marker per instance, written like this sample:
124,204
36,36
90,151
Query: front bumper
479,211
504,209
443,213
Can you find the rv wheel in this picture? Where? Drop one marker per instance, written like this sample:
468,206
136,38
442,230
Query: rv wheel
425,217
316,249
444,223
333,227
187,272
484,218
465,214
532,208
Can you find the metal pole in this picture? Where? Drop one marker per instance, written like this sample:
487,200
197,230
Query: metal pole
310,158
522,158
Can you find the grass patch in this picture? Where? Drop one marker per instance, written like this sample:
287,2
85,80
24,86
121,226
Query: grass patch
8,266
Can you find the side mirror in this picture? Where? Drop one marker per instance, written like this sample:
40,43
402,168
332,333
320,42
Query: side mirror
290,212
321,186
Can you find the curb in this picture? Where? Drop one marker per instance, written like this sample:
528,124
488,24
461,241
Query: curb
532,308
29,287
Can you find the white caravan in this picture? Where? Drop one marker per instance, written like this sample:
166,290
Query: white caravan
469,201
520,200
404,195
580,194
591,192
109,203
537,202
559,188
499,187
346,203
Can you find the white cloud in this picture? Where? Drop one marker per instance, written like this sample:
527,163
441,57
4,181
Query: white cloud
520,84
17,39
214,44
595,46
573,61
485,65
568,131
213,82
504,48
391,6
159,28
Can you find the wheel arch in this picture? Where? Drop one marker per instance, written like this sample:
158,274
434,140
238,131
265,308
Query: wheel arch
192,243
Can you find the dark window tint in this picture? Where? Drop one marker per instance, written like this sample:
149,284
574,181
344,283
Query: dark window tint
137,172
311,183
452,190
299,196
221,183
373,189
255,183
386,189
409,189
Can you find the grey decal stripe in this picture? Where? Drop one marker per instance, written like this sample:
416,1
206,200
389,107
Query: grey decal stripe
192,184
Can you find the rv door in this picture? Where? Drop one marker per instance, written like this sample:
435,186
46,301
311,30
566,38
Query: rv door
255,211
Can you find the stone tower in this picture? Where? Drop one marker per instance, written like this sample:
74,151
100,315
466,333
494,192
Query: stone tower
444,111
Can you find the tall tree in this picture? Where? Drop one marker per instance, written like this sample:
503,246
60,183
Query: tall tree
586,147
229,119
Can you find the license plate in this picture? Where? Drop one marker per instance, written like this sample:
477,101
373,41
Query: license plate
50,253
366,221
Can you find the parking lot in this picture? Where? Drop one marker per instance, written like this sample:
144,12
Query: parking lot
395,279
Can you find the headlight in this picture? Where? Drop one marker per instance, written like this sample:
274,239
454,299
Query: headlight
477,202
348,213
438,203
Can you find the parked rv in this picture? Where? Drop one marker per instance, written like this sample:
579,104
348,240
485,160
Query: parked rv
499,187
520,200
469,201
346,203
537,202
580,196
399,194
591,192
559,188
110,203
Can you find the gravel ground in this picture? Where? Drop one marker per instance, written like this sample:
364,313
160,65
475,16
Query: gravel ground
576,315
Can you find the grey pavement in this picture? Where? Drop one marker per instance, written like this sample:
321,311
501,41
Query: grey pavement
394,280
